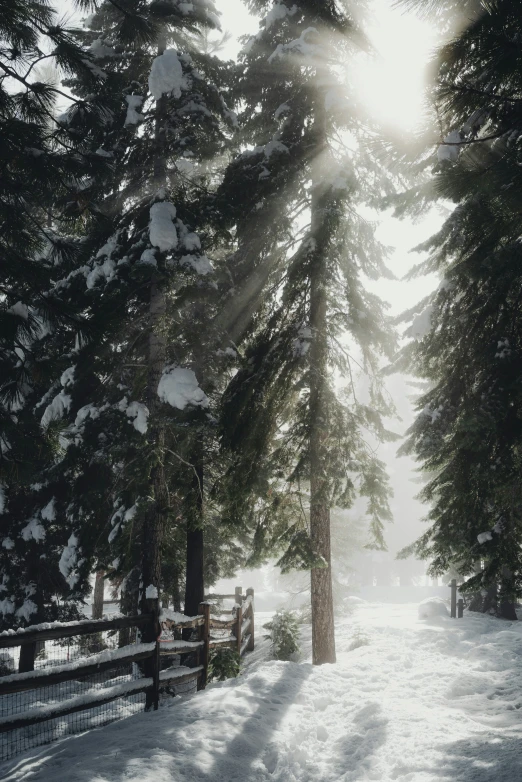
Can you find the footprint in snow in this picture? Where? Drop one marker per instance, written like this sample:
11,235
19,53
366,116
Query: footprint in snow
270,759
322,733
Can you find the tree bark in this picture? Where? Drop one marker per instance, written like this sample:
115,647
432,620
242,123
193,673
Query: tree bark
27,657
194,576
323,632
194,588
490,600
156,514
176,594
477,601
99,588
129,600
506,608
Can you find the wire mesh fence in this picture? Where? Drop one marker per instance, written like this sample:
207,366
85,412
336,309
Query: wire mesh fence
67,650
54,683
50,655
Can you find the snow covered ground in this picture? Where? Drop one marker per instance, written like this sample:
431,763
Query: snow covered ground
434,700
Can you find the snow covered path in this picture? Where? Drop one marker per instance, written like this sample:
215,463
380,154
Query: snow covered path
423,701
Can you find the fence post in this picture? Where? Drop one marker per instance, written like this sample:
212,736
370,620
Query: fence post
250,647
460,613
204,635
152,664
453,598
239,622
239,595
27,655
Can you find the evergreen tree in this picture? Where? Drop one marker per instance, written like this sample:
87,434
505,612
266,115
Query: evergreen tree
42,172
468,338
126,404
299,305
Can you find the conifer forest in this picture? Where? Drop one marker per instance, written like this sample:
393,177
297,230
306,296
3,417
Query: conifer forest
258,326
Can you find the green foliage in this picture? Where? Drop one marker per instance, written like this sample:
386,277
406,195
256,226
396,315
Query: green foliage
284,635
223,664
43,170
270,413
299,554
468,432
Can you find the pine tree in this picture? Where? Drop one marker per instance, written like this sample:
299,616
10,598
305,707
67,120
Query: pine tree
41,170
135,409
299,304
467,433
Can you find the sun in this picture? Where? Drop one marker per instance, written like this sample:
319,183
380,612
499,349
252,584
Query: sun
391,84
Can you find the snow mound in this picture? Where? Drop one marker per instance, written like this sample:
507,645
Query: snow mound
432,606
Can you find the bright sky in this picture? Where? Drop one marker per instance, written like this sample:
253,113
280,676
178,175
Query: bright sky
393,84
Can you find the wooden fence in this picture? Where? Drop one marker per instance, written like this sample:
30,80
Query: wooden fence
456,607
239,635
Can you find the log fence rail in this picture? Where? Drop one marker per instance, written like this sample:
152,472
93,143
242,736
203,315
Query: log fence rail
148,657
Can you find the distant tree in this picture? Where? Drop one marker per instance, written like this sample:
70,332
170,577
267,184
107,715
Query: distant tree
467,335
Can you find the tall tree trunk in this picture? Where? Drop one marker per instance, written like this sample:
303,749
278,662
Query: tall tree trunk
490,600
155,518
176,594
156,515
194,577
323,631
477,601
29,652
194,588
97,601
129,600
506,608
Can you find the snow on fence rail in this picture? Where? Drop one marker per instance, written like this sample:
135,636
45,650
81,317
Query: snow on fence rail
99,684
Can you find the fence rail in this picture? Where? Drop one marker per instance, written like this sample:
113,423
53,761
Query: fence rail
136,667
70,629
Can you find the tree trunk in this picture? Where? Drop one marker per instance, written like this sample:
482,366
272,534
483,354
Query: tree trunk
490,600
129,601
506,609
27,657
323,632
194,589
176,594
99,588
194,577
477,601
156,514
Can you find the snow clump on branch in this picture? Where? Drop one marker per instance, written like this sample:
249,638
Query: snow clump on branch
179,387
166,75
162,231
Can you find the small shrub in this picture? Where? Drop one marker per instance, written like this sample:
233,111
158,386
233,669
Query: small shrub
223,664
304,615
284,635
359,639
